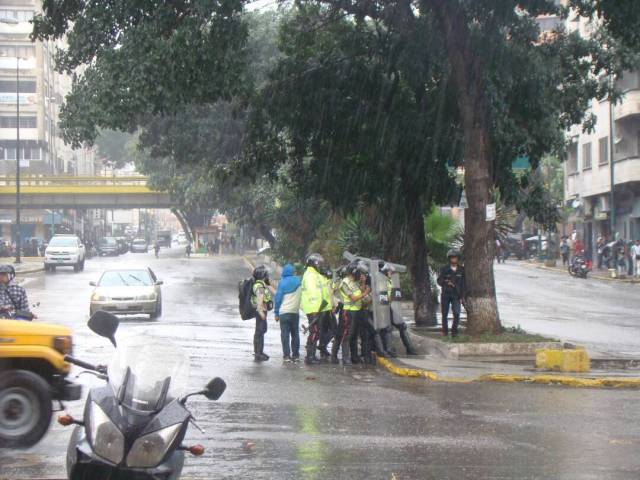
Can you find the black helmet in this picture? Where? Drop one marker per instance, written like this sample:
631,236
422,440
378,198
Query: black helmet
314,260
387,268
342,271
6,268
453,253
260,272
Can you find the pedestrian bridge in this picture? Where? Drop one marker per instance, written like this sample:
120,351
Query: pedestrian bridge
115,192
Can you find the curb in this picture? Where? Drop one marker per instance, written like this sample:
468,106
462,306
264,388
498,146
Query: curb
32,270
565,380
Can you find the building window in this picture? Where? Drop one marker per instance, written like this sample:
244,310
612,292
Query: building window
638,144
24,51
586,156
20,15
26,121
603,155
572,158
10,153
26,86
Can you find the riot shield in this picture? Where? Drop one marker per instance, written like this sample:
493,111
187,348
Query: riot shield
396,296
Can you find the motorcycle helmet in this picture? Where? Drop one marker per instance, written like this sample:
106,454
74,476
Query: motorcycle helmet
342,271
453,253
8,269
261,273
314,260
327,272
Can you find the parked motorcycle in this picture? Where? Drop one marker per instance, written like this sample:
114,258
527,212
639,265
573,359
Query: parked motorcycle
134,426
579,267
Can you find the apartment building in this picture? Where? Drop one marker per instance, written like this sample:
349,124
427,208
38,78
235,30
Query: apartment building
27,76
589,163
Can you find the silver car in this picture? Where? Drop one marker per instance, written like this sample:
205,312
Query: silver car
127,292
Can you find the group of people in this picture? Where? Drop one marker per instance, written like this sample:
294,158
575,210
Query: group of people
339,310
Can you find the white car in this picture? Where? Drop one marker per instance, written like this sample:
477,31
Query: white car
64,251
127,292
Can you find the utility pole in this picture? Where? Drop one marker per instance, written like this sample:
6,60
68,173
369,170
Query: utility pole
612,202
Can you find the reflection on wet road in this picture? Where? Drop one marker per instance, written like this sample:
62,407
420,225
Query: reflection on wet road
290,421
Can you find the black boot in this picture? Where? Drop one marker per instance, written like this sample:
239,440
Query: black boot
406,341
377,342
334,351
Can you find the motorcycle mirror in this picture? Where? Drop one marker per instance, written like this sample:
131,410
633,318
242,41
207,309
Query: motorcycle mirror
159,282
215,388
93,284
104,324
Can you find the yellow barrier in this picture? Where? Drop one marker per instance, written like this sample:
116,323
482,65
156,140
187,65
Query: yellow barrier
563,360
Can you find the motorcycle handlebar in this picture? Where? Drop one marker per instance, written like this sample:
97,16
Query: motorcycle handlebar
82,364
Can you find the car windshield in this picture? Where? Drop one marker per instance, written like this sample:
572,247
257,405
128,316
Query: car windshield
108,241
125,278
145,374
63,242
139,242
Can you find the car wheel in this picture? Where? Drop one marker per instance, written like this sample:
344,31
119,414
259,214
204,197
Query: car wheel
158,312
76,267
25,408
82,265
46,267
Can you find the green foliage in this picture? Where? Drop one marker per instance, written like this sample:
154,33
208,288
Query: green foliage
356,236
116,149
442,232
142,59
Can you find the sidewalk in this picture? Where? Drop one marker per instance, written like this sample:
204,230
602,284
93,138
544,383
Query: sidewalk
598,274
28,265
437,369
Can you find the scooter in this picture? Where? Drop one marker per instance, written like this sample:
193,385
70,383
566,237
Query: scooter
579,267
135,425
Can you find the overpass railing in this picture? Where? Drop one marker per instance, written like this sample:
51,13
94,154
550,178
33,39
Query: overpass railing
33,180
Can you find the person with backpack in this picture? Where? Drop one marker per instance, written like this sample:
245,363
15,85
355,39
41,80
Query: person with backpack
451,279
287,311
262,301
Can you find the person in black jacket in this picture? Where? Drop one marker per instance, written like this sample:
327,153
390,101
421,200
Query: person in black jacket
451,279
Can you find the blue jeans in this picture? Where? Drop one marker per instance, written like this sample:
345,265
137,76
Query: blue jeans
289,323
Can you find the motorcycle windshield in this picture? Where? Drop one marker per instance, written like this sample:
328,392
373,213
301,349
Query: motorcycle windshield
145,375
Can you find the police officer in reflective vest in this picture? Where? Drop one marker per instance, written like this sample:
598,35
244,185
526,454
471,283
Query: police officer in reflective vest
313,302
396,320
352,291
451,279
329,323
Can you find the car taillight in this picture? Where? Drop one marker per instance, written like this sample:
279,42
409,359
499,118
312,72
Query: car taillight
64,345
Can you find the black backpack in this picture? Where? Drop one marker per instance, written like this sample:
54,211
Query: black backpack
245,305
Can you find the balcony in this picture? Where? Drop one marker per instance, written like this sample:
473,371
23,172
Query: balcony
630,105
627,170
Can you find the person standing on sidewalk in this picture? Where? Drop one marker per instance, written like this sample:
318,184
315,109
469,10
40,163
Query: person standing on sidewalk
262,300
635,256
287,310
564,251
352,291
451,279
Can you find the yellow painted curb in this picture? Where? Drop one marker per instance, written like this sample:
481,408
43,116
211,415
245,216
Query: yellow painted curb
565,380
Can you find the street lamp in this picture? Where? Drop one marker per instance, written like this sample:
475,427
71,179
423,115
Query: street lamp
11,21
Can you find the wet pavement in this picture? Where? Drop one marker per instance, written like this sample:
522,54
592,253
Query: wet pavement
289,421
599,314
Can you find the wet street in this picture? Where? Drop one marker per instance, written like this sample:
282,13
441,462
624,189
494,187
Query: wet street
599,314
290,421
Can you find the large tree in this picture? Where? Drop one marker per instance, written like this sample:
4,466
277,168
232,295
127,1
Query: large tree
362,116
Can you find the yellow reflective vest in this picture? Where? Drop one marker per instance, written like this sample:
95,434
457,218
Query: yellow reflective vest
312,291
348,288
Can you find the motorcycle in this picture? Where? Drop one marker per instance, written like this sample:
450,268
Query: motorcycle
579,267
133,427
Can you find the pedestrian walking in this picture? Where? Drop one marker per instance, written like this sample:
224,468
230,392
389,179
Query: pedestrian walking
262,300
564,251
498,251
187,250
451,279
287,311
600,244
635,254
313,302
156,249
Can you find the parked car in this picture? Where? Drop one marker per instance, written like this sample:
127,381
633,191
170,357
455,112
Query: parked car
64,250
127,292
139,245
108,246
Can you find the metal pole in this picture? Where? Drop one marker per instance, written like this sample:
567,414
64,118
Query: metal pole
18,224
612,204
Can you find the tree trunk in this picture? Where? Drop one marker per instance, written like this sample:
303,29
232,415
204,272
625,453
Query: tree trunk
265,232
423,300
479,237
